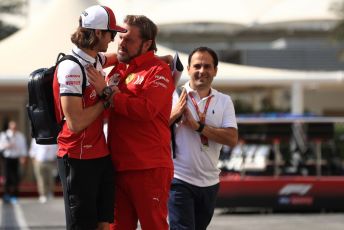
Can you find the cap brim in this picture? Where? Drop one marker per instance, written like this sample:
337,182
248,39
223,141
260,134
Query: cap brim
119,29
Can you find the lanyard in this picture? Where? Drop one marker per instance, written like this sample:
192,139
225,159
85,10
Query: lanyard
201,116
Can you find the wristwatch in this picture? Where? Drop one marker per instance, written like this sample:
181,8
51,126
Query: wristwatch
106,104
107,91
201,127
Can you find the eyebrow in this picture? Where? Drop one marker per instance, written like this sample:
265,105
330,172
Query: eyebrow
199,65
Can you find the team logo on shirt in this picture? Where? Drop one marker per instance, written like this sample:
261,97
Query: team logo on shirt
73,76
93,95
139,80
73,79
161,81
129,78
162,78
72,82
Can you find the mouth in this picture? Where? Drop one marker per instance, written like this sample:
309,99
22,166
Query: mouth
122,51
201,78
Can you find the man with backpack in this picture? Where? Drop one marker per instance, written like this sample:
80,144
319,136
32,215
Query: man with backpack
84,162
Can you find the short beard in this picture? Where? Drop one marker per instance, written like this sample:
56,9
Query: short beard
128,58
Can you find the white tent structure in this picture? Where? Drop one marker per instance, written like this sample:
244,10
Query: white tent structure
299,11
244,13
48,33
38,44
34,46
244,76
233,16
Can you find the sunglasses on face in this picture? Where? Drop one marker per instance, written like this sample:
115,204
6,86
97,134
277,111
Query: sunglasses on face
113,34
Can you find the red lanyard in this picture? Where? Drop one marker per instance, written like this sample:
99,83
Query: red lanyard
201,116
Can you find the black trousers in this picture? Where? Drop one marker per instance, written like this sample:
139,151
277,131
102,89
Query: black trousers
12,177
88,190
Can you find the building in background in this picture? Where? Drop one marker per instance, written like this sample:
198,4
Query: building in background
291,37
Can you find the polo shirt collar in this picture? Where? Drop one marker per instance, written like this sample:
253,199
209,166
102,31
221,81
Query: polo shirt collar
83,56
188,89
9,133
142,58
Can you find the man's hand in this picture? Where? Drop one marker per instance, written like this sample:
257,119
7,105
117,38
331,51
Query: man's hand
96,79
167,58
115,90
179,108
189,120
111,60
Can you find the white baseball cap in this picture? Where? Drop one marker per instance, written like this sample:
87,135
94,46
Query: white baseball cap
101,18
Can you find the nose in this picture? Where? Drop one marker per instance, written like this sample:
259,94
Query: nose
121,42
201,69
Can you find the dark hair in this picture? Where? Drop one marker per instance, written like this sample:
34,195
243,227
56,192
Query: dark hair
148,30
84,37
205,49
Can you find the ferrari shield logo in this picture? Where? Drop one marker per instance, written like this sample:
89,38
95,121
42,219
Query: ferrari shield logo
129,78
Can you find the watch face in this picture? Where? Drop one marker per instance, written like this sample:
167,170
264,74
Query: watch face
107,91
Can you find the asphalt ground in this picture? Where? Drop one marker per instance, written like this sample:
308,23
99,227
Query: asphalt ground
29,214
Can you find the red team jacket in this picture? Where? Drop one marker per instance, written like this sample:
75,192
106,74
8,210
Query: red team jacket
139,135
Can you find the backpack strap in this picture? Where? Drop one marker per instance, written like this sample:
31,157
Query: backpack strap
74,59
62,57
99,58
173,126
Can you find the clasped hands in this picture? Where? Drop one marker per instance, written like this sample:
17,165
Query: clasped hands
97,80
181,110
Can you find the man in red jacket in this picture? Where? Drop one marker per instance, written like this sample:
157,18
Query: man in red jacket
139,135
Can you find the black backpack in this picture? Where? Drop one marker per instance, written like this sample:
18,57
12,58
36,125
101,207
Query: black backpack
41,109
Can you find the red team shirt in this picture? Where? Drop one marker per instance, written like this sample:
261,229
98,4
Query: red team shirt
89,143
139,134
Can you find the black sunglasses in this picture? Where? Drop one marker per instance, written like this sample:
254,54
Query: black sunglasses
113,34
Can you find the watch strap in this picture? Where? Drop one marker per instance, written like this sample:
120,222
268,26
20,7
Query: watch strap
106,93
201,127
106,104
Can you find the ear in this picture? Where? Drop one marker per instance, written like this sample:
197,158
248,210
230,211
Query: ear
98,33
215,71
147,45
188,68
